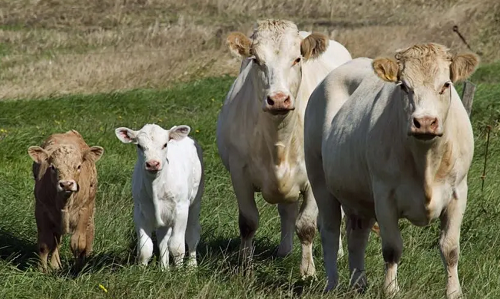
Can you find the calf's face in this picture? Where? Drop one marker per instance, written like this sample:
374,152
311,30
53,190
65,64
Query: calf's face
276,51
425,74
152,143
65,164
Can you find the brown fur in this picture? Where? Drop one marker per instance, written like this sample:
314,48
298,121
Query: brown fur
314,45
58,214
386,69
462,66
239,44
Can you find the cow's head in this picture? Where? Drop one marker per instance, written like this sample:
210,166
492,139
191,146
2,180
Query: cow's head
426,74
276,51
65,164
152,143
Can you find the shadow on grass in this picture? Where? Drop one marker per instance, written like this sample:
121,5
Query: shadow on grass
16,250
269,271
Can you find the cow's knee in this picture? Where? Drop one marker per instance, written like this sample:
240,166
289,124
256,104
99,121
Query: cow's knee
248,226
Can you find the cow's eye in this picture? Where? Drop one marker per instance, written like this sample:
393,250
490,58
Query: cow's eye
164,146
296,61
79,167
445,87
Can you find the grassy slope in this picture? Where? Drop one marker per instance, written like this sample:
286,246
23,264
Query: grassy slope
25,123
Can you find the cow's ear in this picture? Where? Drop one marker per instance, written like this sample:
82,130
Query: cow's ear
38,154
126,135
462,66
314,45
239,44
178,132
386,68
93,154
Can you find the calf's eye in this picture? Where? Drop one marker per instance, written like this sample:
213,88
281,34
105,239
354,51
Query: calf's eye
79,167
164,146
296,61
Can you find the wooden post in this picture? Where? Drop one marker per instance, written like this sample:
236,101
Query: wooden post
468,95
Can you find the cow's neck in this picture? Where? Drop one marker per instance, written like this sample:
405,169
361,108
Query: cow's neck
282,135
432,161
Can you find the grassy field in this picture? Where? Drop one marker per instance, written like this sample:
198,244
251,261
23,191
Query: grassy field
111,272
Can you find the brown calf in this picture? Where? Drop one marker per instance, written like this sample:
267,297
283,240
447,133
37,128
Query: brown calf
65,189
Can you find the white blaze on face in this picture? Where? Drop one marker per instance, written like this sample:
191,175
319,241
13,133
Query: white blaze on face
152,143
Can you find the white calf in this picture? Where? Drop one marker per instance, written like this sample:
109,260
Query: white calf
167,186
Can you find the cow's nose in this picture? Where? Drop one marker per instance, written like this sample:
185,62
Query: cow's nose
279,102
153,165
425,125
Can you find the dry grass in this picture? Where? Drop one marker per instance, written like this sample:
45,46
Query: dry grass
50,47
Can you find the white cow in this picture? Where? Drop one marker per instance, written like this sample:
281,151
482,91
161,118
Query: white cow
260,127
167,187
390,139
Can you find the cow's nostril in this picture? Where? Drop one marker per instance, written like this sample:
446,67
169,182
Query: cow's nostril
270,102
416,123
287,100
61,184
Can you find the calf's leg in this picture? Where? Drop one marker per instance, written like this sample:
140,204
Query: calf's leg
176,244
451,221
46,242
163,235
144,242
193,230
55,260
288,215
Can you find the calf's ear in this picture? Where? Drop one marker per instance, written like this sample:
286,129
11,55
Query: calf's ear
126,135
313,45
179,132
239,44
93,154
38,154
386,68
462,66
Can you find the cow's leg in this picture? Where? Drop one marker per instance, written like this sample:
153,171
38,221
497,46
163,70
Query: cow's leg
392,243
163,235
176,243
330,216
306,225
193,230
89,244
451,221
358,231
248,214
288,215
55,260
144,243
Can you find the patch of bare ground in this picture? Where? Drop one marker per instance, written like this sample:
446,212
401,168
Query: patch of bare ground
54,47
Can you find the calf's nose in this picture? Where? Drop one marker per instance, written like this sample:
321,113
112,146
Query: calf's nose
68,185
153,165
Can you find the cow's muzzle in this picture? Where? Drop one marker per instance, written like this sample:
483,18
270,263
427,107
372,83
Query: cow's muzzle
425,128
278,104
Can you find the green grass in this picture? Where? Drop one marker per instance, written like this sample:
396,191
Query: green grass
25,123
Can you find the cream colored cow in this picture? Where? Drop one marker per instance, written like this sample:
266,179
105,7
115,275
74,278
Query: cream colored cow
390,139
260,127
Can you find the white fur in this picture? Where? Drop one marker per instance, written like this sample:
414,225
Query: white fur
167,201
264,152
